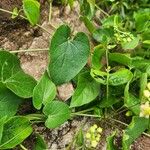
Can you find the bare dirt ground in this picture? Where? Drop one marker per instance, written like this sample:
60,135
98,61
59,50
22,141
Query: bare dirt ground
19,35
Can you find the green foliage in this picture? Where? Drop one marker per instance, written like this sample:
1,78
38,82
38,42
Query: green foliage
13,77
9,102
87,8
15,130
57,113
110,142
135,128
109,77
87,90
67,56
31,9
40,143
120,77
44,92
97,57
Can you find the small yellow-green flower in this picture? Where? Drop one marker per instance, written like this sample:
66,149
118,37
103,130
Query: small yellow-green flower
146,93
145,110
99,130
93,136
93,128
88,135
97,138
148,86
94,143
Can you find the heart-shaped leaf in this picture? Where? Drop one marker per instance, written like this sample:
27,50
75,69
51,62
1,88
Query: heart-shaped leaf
9,102
15,130
87,90
13,77
67,56
57,112
44,92
31,9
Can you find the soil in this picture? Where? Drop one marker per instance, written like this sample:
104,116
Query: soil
19,35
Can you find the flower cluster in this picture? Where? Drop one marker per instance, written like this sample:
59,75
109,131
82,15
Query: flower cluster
123,36
93,135
147,92
145,108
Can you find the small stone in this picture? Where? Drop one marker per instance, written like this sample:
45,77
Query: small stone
65,91
9,46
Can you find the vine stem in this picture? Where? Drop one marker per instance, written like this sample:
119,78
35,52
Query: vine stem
36,117
85,115
107,80
105,13
29,50
118,121
24,148
10,12
50,11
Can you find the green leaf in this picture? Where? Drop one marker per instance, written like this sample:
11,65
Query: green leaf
110,142
13,77
143,84
40,143
31,9
87,8
141,63
44,92
67,56
87,90
80,138
89,25
120,58
111,21
130,101
133,131
131,45
57,113
142,18
15,131
71,2
99,76
21,84
103,35
120,77
97,57
2,121
104,103
9,102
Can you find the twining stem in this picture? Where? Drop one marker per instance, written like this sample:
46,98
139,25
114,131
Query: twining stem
36,117
29,50
10,12
107,80
50,10
24,148
118,121
120,112
85,115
